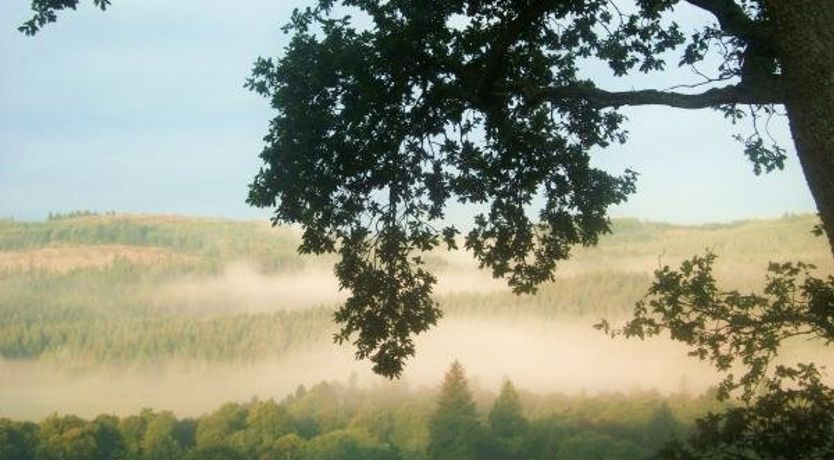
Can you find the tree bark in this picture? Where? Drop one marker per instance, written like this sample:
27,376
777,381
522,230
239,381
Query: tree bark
803,32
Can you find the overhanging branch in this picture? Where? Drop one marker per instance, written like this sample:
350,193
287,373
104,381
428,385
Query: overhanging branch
600,98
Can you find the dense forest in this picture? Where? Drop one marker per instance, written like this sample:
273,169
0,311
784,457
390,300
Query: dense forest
342,421
83,289
83,292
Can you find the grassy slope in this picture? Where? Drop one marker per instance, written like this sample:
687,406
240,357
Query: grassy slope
86,289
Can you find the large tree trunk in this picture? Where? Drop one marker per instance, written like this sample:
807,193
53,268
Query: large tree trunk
804,37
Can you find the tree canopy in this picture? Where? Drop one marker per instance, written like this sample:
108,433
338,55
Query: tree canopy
380,126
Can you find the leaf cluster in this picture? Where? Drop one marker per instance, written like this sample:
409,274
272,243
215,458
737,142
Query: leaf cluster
46,13
729,328
786,412
794,418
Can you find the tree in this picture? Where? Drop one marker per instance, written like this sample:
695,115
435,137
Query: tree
266,423
66,438
288,447
348,444
454,428
17,440
481,102
508,425
159,441
223,426
506,417
110,444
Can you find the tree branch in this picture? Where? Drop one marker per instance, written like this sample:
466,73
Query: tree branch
733,94
731,17
507,36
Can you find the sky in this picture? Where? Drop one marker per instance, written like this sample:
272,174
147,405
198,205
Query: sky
142,109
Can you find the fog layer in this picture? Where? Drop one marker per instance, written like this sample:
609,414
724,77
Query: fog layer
565,356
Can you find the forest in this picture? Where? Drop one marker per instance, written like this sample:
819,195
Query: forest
86,293
342,421
130,290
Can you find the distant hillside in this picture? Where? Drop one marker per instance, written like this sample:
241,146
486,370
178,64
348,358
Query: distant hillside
212,240
217,240
135,289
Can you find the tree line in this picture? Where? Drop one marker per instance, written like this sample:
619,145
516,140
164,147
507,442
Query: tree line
343,421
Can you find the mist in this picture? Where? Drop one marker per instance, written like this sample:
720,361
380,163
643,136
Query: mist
544,349
242,288
563,356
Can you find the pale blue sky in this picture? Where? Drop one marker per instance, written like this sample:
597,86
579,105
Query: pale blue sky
142,109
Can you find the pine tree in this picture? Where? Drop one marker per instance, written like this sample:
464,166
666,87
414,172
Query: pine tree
454,429
506,418
507,425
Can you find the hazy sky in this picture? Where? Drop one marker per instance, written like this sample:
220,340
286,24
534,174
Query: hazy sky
142,109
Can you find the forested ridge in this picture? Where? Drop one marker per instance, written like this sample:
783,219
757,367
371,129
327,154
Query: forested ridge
109,291
85,288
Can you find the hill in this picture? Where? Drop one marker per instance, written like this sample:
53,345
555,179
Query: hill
134,289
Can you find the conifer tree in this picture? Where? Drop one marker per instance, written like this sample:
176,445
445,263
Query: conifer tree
454,429
507,425
506,418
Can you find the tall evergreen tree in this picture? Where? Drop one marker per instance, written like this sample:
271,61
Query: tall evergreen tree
506,418
507,425
454,429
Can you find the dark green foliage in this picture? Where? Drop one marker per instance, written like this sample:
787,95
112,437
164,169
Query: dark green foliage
109,442
792,419
728,327
17,440
454,428
45,13
378,126
377,129
787,412
507,426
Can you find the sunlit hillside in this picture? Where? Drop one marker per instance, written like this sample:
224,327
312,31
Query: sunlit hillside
159,302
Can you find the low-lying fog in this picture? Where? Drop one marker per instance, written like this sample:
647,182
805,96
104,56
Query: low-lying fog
563,355
243,288
567,356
